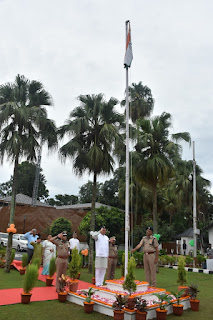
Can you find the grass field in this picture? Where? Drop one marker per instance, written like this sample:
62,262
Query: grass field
53,310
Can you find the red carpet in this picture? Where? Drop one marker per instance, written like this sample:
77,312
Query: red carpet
13,296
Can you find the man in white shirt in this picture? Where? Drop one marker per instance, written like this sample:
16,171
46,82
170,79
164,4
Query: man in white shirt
74,243
102,252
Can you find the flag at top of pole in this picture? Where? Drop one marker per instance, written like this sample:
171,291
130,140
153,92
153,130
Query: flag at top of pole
128,55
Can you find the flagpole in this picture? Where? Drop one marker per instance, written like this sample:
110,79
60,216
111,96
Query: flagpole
127,167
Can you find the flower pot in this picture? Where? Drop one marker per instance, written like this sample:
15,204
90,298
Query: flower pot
93,280
62,296
73,285
118,315
186,292
131,303
88,306
49,281
177,309
22,271
194,304
25,297
140,315
161,314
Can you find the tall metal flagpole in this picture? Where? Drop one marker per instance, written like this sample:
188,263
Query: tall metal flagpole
194,205
127,167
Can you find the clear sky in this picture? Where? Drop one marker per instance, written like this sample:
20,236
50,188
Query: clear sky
77,47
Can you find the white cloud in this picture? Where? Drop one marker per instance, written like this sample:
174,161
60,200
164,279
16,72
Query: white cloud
78,48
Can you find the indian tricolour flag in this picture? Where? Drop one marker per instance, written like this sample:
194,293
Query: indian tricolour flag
128,55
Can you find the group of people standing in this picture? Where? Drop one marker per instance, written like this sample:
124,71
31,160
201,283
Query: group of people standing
106,253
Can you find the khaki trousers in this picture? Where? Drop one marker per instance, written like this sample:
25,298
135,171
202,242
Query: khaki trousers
61,268
112,263
150,268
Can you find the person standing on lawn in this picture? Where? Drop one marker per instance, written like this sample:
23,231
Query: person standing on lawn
102,252
150,257
31,236
38,250
112,259
49,252
62,254
209,252
74,243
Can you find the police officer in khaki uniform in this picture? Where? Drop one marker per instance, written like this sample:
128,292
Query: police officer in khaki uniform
150,258
112,259
62,254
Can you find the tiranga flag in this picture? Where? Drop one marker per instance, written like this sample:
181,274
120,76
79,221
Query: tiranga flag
128,55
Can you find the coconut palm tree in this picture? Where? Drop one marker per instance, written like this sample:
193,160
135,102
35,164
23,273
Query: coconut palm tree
94,128
23,124
156,153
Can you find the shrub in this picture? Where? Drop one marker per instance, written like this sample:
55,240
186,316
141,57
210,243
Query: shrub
37,262
181,271
30,278
13,252
24,260
129,283
189,260
75,264
59,225
52,267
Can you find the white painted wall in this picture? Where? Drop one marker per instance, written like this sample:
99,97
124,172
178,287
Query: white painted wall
188,247
211,236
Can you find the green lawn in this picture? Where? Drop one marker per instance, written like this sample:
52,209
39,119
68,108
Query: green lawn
53,310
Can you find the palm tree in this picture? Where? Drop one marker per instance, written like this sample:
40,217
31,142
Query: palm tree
94,128
23,123
156,154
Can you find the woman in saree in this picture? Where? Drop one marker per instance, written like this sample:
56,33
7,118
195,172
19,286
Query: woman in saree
49,252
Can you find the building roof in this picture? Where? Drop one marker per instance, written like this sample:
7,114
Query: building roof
186,233
83,206
22,199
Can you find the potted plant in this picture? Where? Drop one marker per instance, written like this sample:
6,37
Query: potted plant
30,278
2,256
52,270
177,307
73,270
62,294
182,275
164,301
12,257
193,291
24,261
129,282
88,303
141,306
118,306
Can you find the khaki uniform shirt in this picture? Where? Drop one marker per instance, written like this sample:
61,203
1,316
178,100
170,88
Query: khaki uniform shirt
150,244
113,251
62,248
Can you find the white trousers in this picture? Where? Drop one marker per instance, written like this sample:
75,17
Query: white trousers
99,276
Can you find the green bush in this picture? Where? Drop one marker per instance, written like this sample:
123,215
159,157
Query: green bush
59,225
52,267
129,283
75,264
13,252
24,260
189,260
30,278
37,262
138,257
120,254
181,271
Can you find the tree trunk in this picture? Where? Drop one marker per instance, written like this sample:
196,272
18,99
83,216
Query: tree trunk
12,216
92,224
155,222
